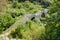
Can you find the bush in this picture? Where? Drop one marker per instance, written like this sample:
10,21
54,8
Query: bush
53,23
19,9
30,31
5,21
52,28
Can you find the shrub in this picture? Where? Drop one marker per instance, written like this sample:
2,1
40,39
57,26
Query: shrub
30,31
19,9
5,21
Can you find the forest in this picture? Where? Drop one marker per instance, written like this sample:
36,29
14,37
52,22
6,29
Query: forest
30,19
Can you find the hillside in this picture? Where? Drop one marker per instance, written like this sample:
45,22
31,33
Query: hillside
30,19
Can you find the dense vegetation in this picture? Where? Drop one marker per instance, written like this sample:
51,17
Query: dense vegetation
47,29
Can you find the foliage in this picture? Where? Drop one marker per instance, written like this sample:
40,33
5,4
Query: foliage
5,21
52,27
55,6
17,9
53,22
30,31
